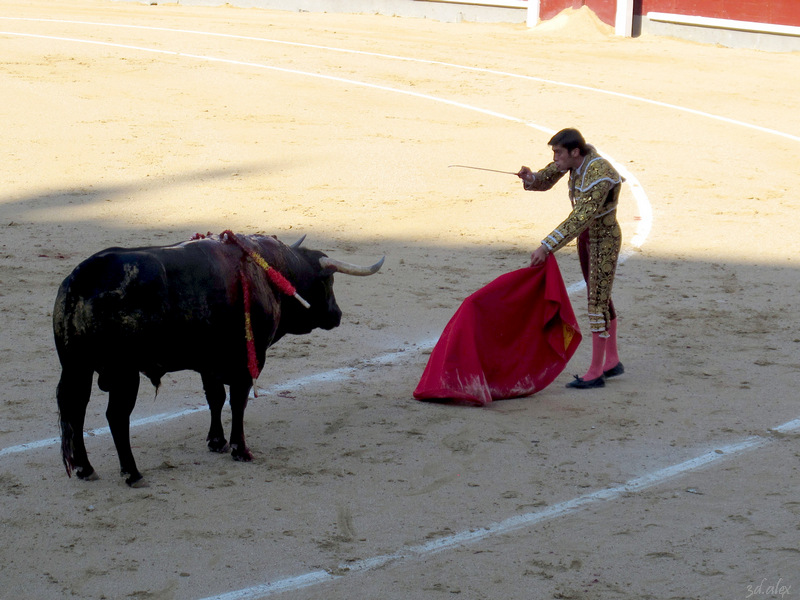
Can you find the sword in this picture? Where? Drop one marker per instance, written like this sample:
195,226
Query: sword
482,169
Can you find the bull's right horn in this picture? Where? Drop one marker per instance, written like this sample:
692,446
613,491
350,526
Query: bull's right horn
296,245
348,268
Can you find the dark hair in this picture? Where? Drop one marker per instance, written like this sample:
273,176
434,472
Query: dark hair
569,139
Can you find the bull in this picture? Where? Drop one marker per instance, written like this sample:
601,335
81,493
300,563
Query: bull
206,305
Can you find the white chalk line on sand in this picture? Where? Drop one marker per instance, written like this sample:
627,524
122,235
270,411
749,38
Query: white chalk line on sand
472,536
333,375
330,376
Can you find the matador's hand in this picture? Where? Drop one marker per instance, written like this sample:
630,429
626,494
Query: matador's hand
539,256
526,175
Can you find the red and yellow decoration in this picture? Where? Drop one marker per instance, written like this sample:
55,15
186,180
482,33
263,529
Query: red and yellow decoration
275,277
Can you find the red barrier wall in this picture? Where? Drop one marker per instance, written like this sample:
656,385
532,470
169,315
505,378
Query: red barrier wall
777,12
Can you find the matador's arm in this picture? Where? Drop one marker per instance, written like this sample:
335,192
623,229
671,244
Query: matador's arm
544,179
587,206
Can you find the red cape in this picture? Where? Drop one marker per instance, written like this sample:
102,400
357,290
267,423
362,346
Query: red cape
509,339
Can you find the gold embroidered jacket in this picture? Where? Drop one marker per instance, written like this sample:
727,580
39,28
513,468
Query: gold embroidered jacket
593,191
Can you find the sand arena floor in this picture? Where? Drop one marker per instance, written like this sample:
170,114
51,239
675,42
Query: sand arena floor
127,124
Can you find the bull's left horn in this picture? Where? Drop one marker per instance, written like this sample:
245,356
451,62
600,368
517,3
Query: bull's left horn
296,245
348,268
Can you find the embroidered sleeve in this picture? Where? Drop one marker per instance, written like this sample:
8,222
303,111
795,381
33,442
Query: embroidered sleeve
589,200
544,179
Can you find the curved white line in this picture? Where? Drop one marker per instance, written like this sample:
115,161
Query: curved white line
643,225
642,99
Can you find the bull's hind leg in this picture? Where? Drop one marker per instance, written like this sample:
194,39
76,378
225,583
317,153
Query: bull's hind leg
72,395
123,388
239,396
215,396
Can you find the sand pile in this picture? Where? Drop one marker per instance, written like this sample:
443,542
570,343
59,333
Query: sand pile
582,23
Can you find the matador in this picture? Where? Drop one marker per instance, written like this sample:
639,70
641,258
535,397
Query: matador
594,187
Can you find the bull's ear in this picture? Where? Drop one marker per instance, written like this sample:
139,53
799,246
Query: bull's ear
296,245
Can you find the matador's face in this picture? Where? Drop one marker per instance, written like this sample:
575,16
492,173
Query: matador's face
566,159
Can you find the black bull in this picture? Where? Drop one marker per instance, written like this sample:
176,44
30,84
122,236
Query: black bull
161,309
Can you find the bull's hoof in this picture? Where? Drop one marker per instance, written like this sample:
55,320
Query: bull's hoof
88,474
219,445
241,454
134,479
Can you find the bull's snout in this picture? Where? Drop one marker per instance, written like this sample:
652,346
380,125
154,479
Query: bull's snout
334,317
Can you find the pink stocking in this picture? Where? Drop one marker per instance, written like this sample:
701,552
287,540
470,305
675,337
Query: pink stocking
612,355
598,357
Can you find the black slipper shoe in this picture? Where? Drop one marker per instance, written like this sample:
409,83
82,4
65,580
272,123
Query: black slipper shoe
614,371
581,384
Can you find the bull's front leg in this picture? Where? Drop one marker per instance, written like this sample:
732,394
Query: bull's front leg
215,396
239,396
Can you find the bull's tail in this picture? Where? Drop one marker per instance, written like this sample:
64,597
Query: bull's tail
67,448
72,396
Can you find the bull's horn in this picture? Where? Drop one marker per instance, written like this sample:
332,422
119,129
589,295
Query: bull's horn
347,268
296,245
